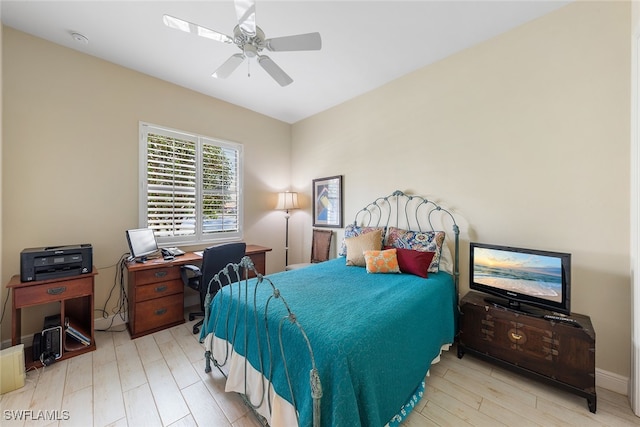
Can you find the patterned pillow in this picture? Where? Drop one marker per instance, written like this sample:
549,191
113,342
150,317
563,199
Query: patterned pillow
353,230
382,261
425,241
357,245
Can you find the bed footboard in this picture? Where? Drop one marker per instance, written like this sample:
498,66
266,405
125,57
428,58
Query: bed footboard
255,300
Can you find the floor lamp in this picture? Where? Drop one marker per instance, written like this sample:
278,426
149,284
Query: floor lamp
286,201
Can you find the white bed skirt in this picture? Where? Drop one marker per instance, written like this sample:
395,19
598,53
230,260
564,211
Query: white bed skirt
282,413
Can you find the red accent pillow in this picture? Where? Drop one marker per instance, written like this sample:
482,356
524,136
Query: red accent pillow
414,262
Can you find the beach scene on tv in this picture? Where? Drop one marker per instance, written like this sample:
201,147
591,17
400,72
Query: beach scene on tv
535,275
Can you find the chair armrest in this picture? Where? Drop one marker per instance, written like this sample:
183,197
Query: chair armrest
192,280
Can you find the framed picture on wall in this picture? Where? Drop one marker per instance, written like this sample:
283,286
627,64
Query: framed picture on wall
327,202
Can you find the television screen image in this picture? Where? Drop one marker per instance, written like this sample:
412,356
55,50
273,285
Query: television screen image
535,275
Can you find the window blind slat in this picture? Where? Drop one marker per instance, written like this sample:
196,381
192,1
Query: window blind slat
192,184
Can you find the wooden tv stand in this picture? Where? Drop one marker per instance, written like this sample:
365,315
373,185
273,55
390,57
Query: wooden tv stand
555,352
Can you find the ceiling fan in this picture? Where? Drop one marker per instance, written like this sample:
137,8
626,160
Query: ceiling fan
251,41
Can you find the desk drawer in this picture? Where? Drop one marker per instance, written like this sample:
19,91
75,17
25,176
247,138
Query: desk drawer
158,312
160,289
155,275
57,291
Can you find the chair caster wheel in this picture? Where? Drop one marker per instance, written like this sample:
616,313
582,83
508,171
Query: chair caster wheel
191,317
196,330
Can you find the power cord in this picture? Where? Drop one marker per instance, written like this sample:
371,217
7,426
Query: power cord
123,302
4,306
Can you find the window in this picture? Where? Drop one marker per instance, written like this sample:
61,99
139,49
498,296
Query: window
191,186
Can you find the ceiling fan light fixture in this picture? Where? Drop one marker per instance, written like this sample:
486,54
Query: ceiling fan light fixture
250,51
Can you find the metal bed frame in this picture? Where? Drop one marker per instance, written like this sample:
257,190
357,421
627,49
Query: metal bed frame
399,209
237,276
403,211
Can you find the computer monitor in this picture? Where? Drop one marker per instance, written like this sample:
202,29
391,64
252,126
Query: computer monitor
142,242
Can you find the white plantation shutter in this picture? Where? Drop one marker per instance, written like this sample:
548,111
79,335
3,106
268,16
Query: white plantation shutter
191,186
219,188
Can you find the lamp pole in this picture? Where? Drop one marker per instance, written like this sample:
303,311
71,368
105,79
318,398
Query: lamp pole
286,238
287,201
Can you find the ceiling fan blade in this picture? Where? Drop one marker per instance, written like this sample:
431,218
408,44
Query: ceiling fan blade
229,66
189,27
246,13
274,71
310,41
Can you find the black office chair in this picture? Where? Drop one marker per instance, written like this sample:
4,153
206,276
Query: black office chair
214,259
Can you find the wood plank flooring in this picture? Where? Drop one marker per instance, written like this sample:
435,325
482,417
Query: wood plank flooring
159,380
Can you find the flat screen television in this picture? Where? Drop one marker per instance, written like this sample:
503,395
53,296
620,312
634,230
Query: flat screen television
142,243
522,278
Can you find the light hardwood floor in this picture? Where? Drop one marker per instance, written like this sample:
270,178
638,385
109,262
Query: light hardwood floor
159,380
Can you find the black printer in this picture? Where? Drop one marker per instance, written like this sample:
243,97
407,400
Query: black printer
55,261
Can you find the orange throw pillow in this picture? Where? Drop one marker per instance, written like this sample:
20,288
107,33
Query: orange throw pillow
382,261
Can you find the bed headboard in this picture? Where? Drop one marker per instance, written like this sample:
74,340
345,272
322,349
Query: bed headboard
412,212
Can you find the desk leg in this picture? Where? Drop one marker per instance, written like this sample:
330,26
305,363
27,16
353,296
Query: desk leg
16,325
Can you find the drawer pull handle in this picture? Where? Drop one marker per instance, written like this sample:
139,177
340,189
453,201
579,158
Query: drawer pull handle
161,288
160,274
161,311
516,336
56,291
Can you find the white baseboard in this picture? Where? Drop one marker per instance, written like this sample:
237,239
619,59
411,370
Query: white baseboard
614,382
111,321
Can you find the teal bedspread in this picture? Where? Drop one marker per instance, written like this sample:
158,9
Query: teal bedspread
373,336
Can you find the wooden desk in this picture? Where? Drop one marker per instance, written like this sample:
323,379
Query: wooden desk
156,291
75,297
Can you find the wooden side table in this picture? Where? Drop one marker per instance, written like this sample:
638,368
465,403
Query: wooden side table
75,294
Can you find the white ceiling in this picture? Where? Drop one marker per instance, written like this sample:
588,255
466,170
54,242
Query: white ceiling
365,44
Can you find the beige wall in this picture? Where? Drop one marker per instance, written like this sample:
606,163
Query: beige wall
2,291
525,136
70,155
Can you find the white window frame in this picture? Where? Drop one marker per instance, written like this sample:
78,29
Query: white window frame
199,237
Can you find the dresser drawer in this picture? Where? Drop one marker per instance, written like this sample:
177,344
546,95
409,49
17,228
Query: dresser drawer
155,275
33,295
158,312
157,290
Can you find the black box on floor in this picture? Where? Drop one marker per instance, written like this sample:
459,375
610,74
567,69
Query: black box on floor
47,345
51,321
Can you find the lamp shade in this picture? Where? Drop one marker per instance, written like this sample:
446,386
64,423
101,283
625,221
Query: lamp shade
287,200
